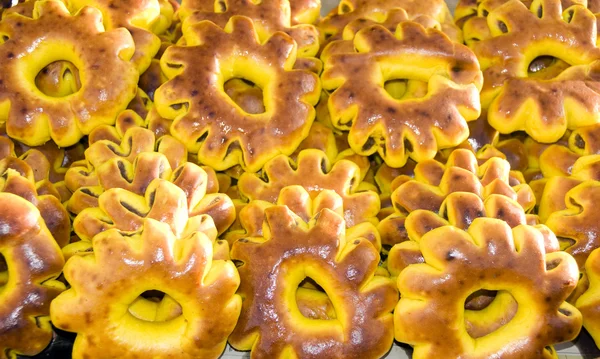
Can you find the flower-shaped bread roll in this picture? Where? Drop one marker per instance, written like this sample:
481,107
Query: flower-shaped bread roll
163,201
434,181
315,173
268,16
488,256
108,78
349,11
137,16
540,69
104,286
137,178
589,302
17,177
209,122
578,225
298,200
126,144
459,209
30,262
274,265
397,127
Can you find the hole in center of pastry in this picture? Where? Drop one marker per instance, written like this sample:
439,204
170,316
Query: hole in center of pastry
313,301
155,306
546,67
3,272
58,79
487,310
403,89
246,94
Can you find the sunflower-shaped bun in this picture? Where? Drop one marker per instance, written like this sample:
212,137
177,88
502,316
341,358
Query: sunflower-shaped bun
434,181
137,178
268,16
589,302
349,11
274,265
17,177
163,201
541,67
108,78
315,172
104,286
208,121
30,262
493,257
400,126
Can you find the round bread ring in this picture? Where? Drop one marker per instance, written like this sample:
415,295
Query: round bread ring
314,172
588,301
66,119
352,10
152,259
518,101
16,177
372,115
291,250
208,121
268,16
34,261
490,256
434,181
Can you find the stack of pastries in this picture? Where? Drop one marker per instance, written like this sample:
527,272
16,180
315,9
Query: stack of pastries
176,177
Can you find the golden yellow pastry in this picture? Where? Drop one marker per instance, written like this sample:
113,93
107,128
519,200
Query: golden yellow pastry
274,265
459,209
123,143
106,86
356,10
48,163
269,16
398,127
320,138
162,200
298,200
305,11
588,303
137,16
30,262
434,181
558,183
104,286
471,15
577,224
209,122
488,256
534,79
315,173
17,177
137,176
